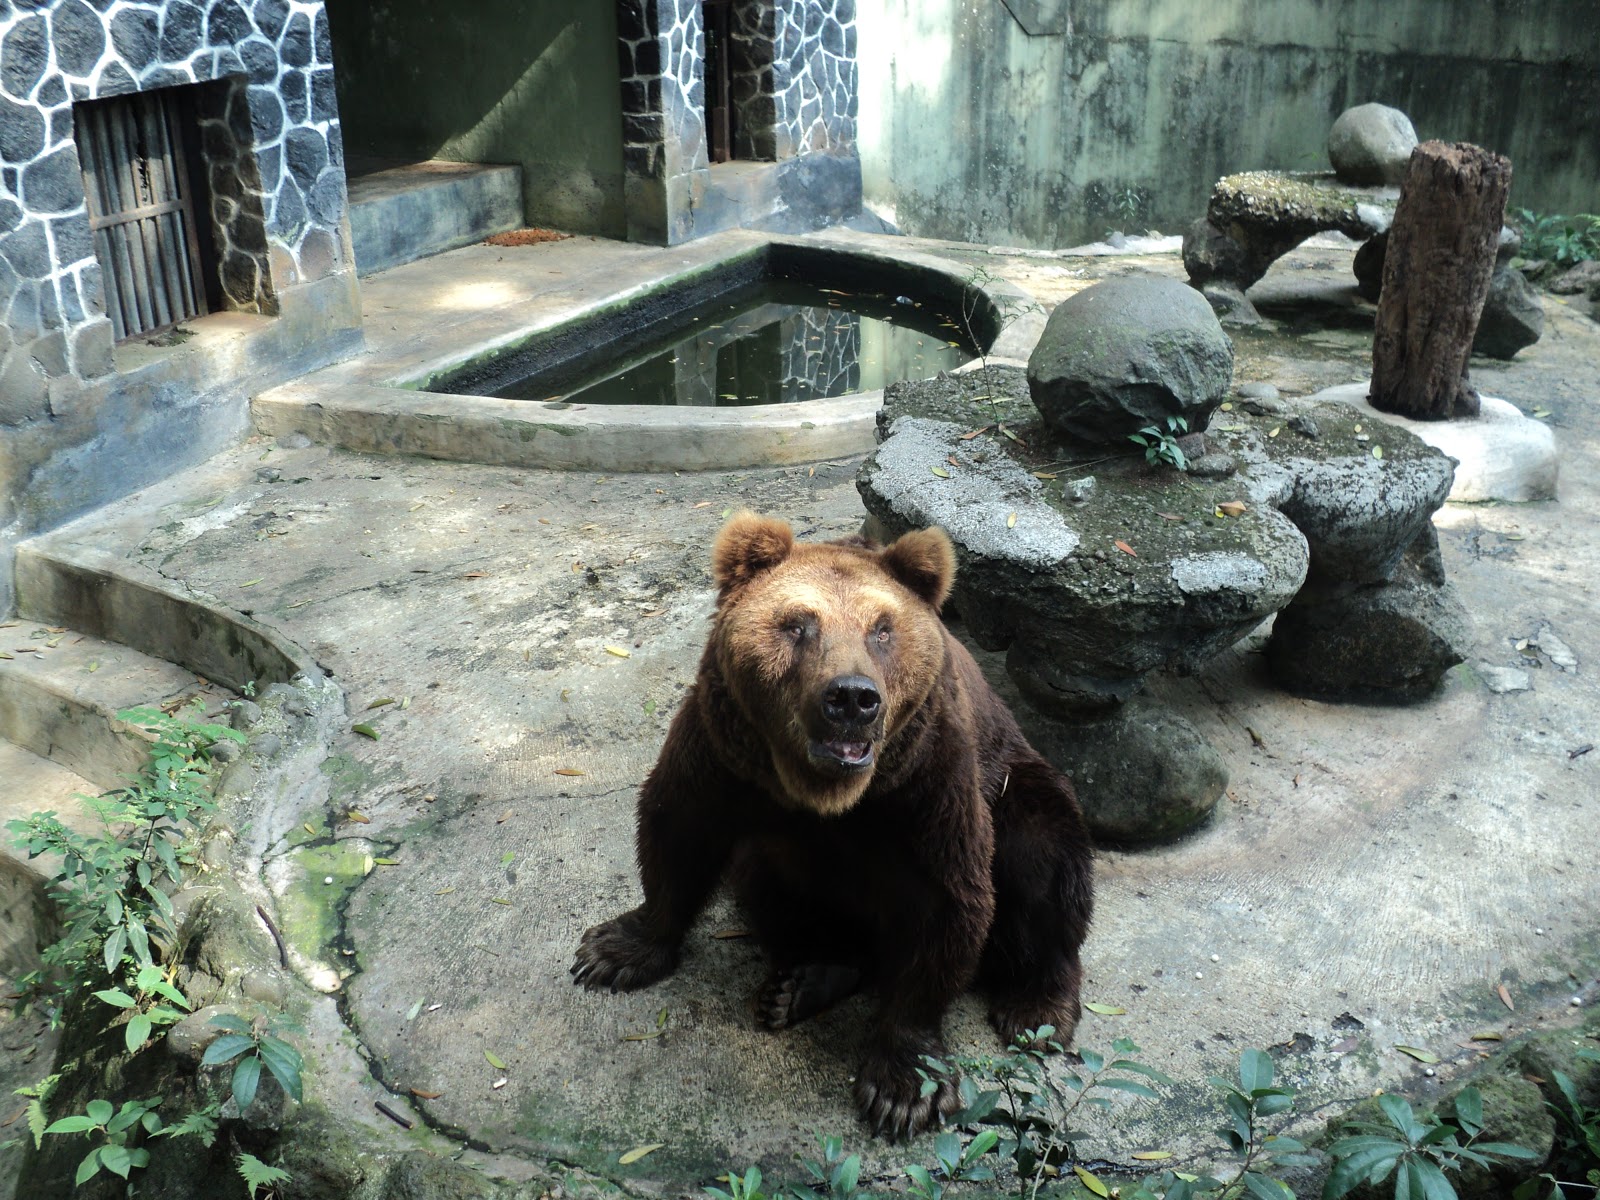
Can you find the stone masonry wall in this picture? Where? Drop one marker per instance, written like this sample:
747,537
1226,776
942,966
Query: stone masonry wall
795,81
276,214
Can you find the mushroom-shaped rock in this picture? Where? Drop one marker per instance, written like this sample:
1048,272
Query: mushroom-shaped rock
1371,144
1128,353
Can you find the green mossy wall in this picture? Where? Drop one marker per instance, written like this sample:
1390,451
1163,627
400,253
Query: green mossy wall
530,82
970,128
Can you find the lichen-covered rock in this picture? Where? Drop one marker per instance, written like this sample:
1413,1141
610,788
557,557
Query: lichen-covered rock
1129,352
1371,144
1042,572
1514,1112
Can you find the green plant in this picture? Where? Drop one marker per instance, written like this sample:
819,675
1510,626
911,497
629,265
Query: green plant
1029,1100
1577,1148
119,1130
261,1179
835,1176
1415,1151
255,1047
1562,240
1006,306
150,984
1162,445
746,1187
109,888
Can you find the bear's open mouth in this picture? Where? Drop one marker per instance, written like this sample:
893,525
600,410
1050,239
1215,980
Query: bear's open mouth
851,755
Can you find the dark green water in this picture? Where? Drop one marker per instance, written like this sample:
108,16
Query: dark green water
777,342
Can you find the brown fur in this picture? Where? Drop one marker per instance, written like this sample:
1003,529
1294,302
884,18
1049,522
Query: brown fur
843,763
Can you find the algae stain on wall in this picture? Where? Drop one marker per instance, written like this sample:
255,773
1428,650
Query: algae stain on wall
530,82
971,128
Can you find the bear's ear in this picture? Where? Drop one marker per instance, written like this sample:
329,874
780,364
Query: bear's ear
925,561
747,546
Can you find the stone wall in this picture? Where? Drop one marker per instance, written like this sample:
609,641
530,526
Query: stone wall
270,143
1122,115
795,98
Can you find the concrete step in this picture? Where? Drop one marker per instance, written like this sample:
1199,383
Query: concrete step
402,213
60,692
69,577
32,784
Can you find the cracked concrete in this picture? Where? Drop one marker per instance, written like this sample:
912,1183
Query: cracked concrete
1369,879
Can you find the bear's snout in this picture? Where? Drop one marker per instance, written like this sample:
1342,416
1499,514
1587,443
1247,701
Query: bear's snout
851,700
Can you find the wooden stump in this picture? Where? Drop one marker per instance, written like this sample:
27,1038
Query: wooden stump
1435,278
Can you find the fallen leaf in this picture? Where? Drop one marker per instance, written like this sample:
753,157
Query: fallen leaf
941,472
1152,1155
1377,452
1011,521
1487,1035
500,900
414,1010
1233,508
422,1095
1125,548
6,654
508,814
638,1152
1256,739
94,665
1091,1182
1169,516
723,935
1043,475
568,771
387,862
1275,431
702,504
476,575
306,825
619,651
967,437
1418,1053
380,703
1505,997
365,730
1107,1010
360,818
249,583
642,1037
1225,407
444,891
1013,436
507,858
498,1084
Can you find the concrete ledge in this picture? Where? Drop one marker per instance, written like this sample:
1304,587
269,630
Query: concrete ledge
409,212
622,437
62,704
1501,454
65,582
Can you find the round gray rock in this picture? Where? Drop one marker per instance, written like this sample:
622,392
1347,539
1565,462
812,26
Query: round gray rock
1127,353
1371,144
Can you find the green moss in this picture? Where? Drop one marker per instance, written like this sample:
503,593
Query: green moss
309,908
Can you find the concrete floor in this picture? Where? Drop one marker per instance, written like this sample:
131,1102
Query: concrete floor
1369,880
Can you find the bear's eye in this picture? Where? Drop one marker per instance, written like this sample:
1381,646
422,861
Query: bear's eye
794,628
880,635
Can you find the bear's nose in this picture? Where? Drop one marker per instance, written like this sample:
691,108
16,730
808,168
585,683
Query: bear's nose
851,700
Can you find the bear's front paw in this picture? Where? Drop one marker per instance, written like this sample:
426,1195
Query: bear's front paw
889,1091
620,955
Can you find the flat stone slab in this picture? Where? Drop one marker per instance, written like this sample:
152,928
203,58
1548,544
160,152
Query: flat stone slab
402,213
1502,454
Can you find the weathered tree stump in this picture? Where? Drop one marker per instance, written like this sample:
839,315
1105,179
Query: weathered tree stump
1435,278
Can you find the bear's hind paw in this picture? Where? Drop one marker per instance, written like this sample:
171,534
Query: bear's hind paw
891,1099
794,994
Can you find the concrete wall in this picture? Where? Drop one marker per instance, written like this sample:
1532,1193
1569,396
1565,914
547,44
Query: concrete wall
972,128
531,82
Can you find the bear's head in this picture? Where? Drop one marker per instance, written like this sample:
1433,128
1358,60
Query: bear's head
828,648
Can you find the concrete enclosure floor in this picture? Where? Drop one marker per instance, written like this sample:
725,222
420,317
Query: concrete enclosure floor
1371,878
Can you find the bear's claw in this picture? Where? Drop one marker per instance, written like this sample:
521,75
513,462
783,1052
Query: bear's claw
617,954
889,1095
1013,1022
795,994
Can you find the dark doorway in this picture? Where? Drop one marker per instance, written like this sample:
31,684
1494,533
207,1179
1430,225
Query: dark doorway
718,17
148,208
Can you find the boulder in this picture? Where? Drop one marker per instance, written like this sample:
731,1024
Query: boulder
1576,280
1143,774
1386,642
1371,144
1512,317
1129,352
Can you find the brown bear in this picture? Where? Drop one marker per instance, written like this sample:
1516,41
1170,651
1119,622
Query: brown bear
842,762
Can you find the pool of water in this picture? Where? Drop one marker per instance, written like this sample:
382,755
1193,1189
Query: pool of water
776,341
